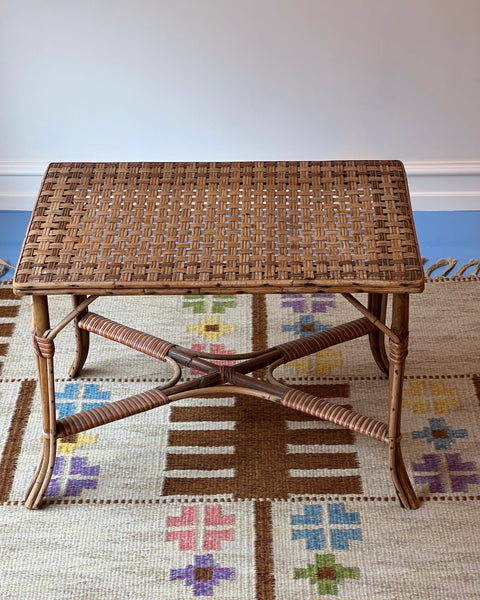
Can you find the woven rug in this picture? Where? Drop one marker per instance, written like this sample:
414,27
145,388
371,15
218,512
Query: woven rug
235,498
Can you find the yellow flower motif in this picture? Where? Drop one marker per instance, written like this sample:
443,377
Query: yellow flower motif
413,397
421,396
324,360
301,365
211,328
79,439
443,398
327,360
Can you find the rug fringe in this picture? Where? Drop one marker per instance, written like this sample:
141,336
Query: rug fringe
451,263
5,267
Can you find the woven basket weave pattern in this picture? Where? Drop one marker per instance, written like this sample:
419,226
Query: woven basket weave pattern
207,223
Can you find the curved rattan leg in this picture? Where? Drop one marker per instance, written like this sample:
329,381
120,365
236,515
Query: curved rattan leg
400,479
398,354
44,352
377,305
82,341
43,474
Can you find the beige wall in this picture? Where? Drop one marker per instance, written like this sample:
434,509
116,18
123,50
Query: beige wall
245,79
156,79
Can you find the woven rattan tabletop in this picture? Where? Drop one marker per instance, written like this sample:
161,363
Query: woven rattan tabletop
259,227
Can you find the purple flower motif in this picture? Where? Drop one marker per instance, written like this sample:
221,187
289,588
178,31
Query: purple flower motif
320,302
462,474
203,575
77,474
299,304
295,301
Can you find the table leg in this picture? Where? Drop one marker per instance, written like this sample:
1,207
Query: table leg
44,354
397,356
377,305
82,340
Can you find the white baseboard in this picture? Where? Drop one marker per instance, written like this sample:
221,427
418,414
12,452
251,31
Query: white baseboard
443,167
22,169
434,185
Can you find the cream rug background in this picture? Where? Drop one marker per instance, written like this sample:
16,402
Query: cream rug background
233,498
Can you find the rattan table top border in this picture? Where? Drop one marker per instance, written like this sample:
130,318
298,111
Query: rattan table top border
221,227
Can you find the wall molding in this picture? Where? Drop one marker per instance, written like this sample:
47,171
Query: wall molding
22,169
425,167
434,185
442,167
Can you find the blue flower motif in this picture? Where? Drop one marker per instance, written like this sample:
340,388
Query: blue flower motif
439,434
306,326
340,529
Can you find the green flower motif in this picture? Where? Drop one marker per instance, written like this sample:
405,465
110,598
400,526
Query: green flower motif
327,574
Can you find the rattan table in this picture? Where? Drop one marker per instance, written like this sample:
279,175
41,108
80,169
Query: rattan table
215,228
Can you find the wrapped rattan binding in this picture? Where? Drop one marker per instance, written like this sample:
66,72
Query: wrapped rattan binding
114,411
43,346
334,413
143,342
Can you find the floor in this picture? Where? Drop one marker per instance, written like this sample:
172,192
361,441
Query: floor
441,235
